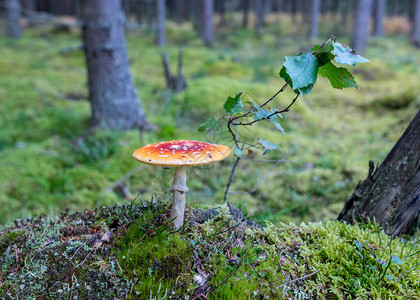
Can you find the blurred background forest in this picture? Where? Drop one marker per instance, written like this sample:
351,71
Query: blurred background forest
52,159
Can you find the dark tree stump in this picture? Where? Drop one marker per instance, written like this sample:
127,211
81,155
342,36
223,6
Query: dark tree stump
174,83
392,191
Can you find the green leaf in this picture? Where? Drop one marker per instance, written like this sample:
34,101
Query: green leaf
209,124
237,152
233,105
262,113
302,70
323,54
347,56
267,146
278,126
396,260
283,74
339,77
305,90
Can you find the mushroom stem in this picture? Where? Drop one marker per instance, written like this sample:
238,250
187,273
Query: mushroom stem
179,189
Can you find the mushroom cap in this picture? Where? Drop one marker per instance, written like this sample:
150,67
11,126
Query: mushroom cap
181,153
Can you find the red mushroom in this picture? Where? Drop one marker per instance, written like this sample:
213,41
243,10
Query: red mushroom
180,154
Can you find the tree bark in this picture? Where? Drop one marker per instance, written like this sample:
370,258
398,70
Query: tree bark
30,9
208,31
316,7
245,16
361,25
13,11
392,191
259,15
415,34
181,11
114,101
378,29
161,17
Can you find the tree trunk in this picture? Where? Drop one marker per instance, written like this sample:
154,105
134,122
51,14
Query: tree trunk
378,29
161,16
259,15
14,30
245,17
30,9
415,34
361,25
113,98
181,11
208,32
392,191
222,12
316,7
345,11
148,8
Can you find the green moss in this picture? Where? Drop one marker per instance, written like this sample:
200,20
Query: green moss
155,261
61,256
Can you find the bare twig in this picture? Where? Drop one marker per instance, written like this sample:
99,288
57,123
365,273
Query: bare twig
232,171
297,279
123,178
264,176
399,278
270,115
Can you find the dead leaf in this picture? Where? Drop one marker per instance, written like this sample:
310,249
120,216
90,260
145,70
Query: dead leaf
49,241
201,291
107,237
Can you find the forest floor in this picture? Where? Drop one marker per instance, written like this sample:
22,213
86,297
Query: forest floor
50,161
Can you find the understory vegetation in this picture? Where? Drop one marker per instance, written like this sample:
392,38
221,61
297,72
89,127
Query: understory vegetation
50,160
52,165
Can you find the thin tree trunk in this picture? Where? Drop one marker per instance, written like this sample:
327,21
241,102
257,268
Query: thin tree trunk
345,11
77,11
208,31
392,191
245,17
316,7
294,11
222,12
259,15
148,8
378,29
114,101
361,25
161,18
30,9
415,34
394,8
181,11
14,30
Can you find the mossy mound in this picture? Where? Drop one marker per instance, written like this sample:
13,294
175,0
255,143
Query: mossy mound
131,251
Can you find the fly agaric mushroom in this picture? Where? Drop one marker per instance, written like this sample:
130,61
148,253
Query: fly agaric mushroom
180,154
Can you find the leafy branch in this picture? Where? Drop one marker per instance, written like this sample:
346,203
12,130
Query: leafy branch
300,73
